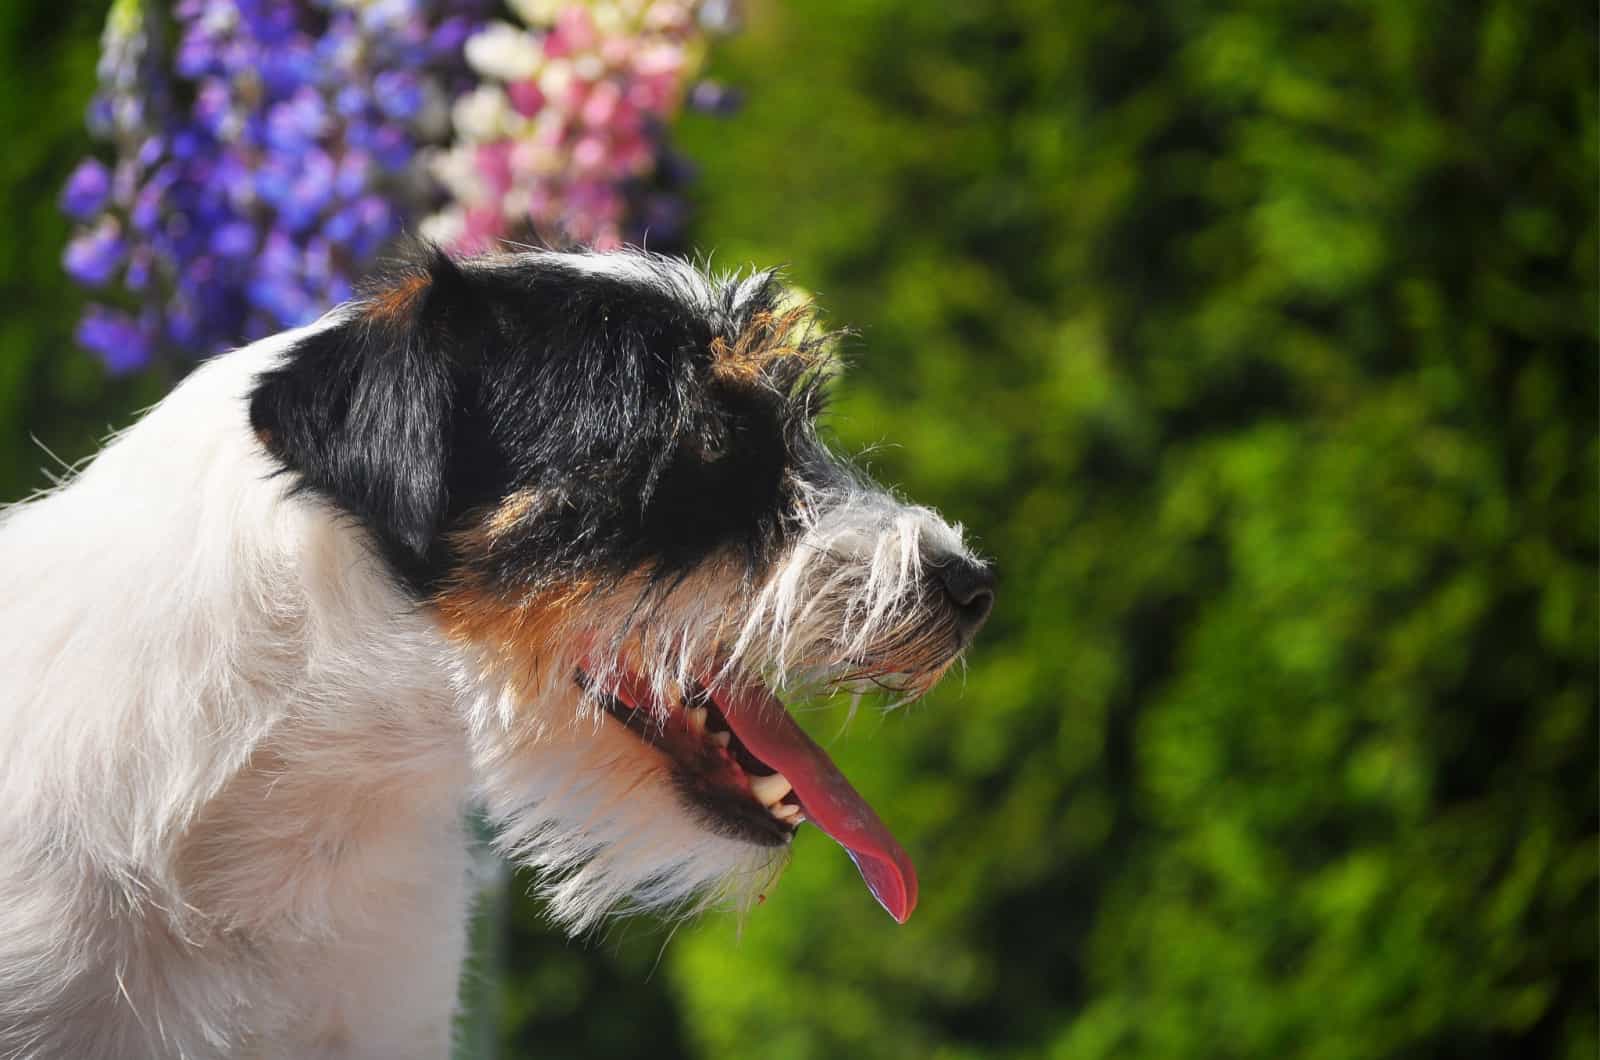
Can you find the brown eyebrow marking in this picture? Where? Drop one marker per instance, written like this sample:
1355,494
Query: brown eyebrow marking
490,526
769,337
513,510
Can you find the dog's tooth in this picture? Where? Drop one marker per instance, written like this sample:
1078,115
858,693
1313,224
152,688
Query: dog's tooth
770,789
784,811
696,718
723,738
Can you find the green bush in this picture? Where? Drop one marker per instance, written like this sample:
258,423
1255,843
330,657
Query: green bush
55,403
1259,345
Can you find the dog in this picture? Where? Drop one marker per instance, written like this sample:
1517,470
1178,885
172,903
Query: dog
545,533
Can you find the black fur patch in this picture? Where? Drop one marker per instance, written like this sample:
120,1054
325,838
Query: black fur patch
455,386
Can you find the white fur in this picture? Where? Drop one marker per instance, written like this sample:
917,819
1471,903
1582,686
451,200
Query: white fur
235,758
230,778
853,575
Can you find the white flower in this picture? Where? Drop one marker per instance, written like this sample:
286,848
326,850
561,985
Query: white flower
666,17
457,170
610,20
443,228
555,79
517,203
483,114
538,12
537,156
504,52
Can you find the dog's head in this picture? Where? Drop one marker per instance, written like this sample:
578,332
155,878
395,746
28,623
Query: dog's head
602,474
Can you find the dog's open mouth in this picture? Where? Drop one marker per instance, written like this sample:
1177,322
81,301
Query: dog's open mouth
740,759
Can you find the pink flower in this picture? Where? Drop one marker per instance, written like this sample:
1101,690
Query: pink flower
484,225
550,131
576,95
577,28
600,109
617,52
526,97
663,59
626,119
633,154
653,95
589,153
558,144
494,167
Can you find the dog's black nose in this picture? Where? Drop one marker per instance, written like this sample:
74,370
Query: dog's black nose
970,587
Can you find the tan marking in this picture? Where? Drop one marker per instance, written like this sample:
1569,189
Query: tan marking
394,303
766,339
512,511
522,639
487,532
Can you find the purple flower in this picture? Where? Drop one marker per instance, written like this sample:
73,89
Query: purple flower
390,146
450,35
115,337
266,151
99,117
350,101
183,325
93,256
342,227
663,218
213,108
141,265
236,239
287,68
399,94
151,150
709,97
86,190
355,174
296,123
284,299
146,213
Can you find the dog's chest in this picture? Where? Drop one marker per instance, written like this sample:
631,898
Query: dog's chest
339,863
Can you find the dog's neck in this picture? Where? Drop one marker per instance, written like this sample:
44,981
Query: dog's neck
221,596
239,728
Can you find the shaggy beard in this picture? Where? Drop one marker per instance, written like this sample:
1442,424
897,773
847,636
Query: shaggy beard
848,607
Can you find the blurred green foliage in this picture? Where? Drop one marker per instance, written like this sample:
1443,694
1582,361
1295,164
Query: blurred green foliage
1258,343
52,399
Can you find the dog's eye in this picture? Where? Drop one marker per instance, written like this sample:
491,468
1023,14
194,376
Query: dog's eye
710,442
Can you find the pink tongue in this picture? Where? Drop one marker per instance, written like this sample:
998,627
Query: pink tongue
768,732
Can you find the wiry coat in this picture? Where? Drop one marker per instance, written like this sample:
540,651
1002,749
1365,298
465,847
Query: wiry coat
257,659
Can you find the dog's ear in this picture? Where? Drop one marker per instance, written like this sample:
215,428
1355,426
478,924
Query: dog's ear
361,410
